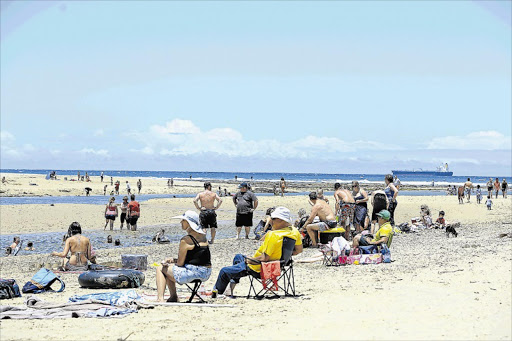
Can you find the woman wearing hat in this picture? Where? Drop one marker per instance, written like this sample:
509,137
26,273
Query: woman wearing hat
193,262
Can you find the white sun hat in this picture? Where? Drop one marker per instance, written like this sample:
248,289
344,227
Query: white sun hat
193,220
281,213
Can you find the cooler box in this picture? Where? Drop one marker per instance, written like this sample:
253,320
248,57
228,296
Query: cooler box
137,262
327,236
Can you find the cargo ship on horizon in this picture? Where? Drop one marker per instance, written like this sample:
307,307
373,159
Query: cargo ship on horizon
440,171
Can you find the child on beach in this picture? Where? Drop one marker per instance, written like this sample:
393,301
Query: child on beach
440,222
478,194
488,202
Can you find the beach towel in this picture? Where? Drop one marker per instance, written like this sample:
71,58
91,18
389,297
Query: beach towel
270,272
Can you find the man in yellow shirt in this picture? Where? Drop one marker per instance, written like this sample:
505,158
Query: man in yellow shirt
383,235
270,250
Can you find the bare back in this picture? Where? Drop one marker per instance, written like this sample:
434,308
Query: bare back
344,196
322,210
78,244
207,199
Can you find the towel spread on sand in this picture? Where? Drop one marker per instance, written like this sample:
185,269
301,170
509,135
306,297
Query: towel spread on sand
270,272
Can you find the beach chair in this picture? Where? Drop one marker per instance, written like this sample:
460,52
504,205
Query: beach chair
197,284
286,282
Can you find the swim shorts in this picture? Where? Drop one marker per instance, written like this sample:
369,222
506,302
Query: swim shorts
208,219
327,225
244,219
188,273
346,211
132,220
110,217
123,218
468,190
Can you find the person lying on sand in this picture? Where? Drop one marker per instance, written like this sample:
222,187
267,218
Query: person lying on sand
383,236
323,211
270,250
193,262
80,248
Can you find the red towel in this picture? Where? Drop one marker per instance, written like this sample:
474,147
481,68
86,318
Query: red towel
270,272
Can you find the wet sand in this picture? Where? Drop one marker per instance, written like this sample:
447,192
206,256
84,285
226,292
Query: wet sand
436,288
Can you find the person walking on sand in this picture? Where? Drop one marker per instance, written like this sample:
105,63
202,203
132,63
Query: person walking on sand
468,185
101,176
133,213
504,188
282,185
124,211
110,213
105,190
139,186
205,203
497,186
128,188
111,181
168,183
116,187
246,202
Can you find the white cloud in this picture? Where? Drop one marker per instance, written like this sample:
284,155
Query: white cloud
480,140
6,137
100,152
183,138
99,132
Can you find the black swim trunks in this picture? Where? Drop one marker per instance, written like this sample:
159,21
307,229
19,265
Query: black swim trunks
208,219
132,220
244,219
110,217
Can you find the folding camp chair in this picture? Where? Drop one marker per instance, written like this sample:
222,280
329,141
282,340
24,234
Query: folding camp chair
197,285
287,278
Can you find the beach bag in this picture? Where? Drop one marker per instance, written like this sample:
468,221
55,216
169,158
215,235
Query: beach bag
42,282
386,254
9,289
258,230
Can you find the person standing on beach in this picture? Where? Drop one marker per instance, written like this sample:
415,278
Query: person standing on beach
497,186
78,175
139,186
101,176
246,202
105,190
489,187
168,183
124,210
128,188
504,188
111,213
468,185
111,181
205,203
282,185
361,209
391,193
345,207
133,213
116,187
397,182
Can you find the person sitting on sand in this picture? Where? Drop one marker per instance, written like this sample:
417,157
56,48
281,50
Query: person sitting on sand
30,246
345,207
110,213
270,250
425,220
207,202
323,211
80,247
440,222
193,262
383,236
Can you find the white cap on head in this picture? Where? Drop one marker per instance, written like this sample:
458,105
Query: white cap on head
193,220
281,213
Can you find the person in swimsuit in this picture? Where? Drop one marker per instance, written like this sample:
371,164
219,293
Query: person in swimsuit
345,208
124,210
504,188
497,186
116,187
193,262
133,213
139,186
489,187
323,211
361,211
319,195
205,203
80,248
391,193
282,185
110,213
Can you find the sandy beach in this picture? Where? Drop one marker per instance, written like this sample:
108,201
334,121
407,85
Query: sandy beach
435,288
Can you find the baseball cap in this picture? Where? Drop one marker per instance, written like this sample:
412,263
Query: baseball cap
243,184
384,214
281,213
193,220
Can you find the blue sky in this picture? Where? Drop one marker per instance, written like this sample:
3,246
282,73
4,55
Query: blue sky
257,86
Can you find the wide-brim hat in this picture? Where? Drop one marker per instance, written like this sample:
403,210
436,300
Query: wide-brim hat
193,220
281,213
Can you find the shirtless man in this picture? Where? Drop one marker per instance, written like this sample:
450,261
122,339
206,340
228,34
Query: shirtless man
205,203
282,185
323,211
319,195
468,185
345,207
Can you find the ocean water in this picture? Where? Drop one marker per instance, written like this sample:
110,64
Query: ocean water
241,176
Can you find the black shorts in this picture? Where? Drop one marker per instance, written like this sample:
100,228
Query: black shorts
243,219
208,219
379,206
132,220
110,217
489,189
123,217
